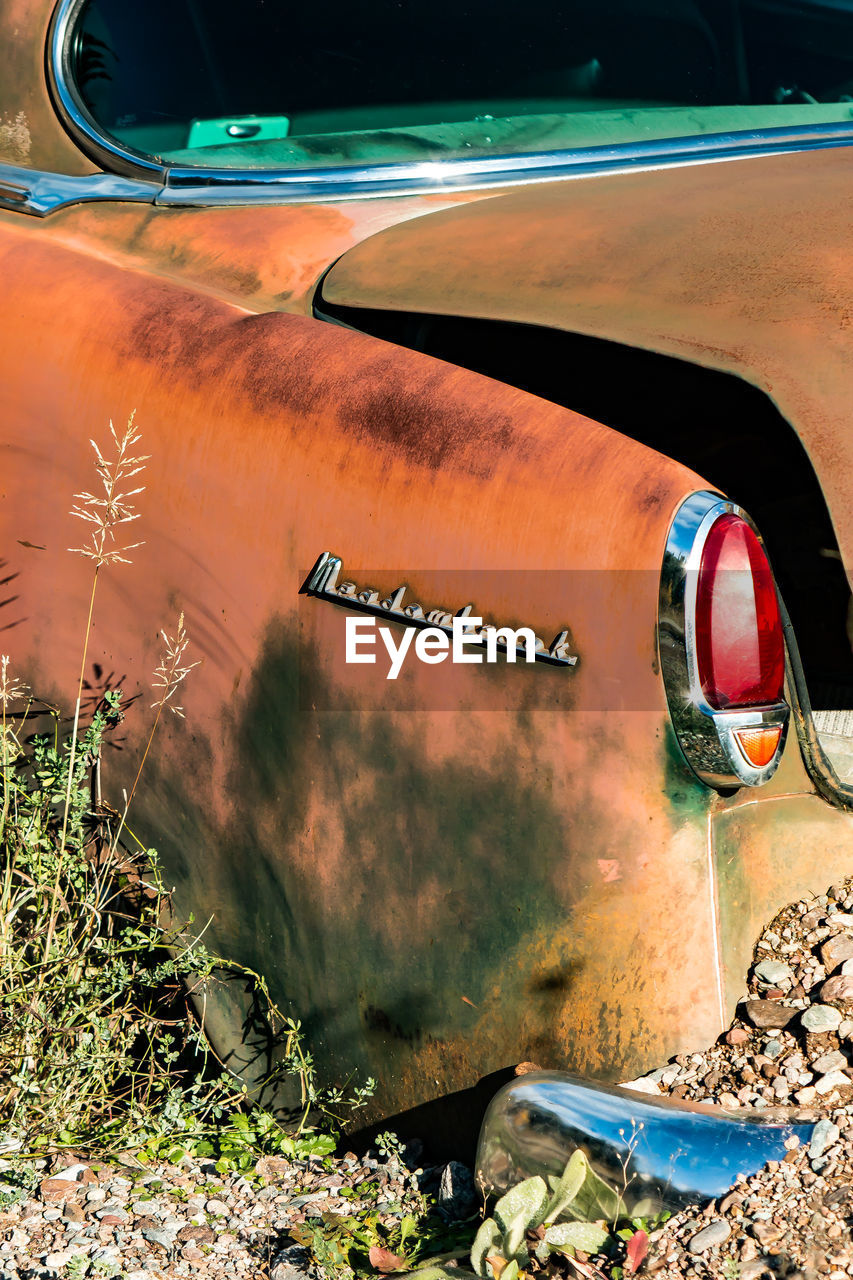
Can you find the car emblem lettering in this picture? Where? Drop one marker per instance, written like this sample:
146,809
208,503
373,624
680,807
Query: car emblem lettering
323,583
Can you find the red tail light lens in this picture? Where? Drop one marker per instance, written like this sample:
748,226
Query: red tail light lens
740,650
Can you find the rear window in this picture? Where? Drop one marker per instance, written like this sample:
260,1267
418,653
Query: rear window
268,83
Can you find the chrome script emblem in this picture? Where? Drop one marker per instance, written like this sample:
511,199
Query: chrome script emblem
322,582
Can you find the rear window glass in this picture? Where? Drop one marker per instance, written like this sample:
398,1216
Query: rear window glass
268,83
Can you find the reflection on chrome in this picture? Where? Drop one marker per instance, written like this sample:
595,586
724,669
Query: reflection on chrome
656,1153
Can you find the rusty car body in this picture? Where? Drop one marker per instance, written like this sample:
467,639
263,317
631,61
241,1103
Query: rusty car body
491,370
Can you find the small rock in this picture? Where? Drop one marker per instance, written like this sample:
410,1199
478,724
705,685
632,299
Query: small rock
291,1263
835,951
457,1195
642,1085
73,1171
715,1233
731,1201
755,1269
768,1014
820,1017
53,1190
832,1080
832,1061
202,1234
774,972
737,1035
112,1208
748,1249
273,1166
772,1049
56,1261
824,1135
159,1235
108,1255
838,988
217,1207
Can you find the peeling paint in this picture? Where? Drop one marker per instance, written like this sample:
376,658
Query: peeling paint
15,140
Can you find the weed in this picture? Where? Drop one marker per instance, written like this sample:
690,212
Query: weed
100,1042
389,1146
364,1242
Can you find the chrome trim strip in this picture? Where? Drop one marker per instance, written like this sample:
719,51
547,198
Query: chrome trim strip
188,185
73,114
38,193
706,736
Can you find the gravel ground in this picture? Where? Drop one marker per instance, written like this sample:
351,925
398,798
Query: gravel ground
173,1222
791,1046
790,1049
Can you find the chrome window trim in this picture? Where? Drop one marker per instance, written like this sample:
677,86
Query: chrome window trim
39,193
202,185
705,735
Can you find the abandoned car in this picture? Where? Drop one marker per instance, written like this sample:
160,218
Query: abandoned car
495,372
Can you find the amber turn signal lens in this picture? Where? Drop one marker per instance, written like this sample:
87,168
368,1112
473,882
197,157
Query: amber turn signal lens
759,745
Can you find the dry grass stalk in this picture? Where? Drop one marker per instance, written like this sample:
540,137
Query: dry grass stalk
170,673
11,691
105,513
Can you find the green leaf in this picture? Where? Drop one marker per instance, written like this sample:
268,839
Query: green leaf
596,1199
486,1241
440,1273
519,1209
510,1271
569,1236
567,1188
408,1228
317,1144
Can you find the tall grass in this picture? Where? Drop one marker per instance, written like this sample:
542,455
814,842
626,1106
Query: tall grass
100,1038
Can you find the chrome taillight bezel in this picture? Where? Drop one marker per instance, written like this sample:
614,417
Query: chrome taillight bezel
705,735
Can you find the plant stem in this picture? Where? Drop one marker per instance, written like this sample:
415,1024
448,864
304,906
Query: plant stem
117,836
3,753
51,924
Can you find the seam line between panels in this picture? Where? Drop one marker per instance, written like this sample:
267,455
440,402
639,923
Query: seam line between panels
715,923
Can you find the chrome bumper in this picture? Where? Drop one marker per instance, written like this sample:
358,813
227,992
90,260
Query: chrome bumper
656,1153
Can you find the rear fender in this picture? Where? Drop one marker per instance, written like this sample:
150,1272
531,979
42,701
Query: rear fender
442,874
